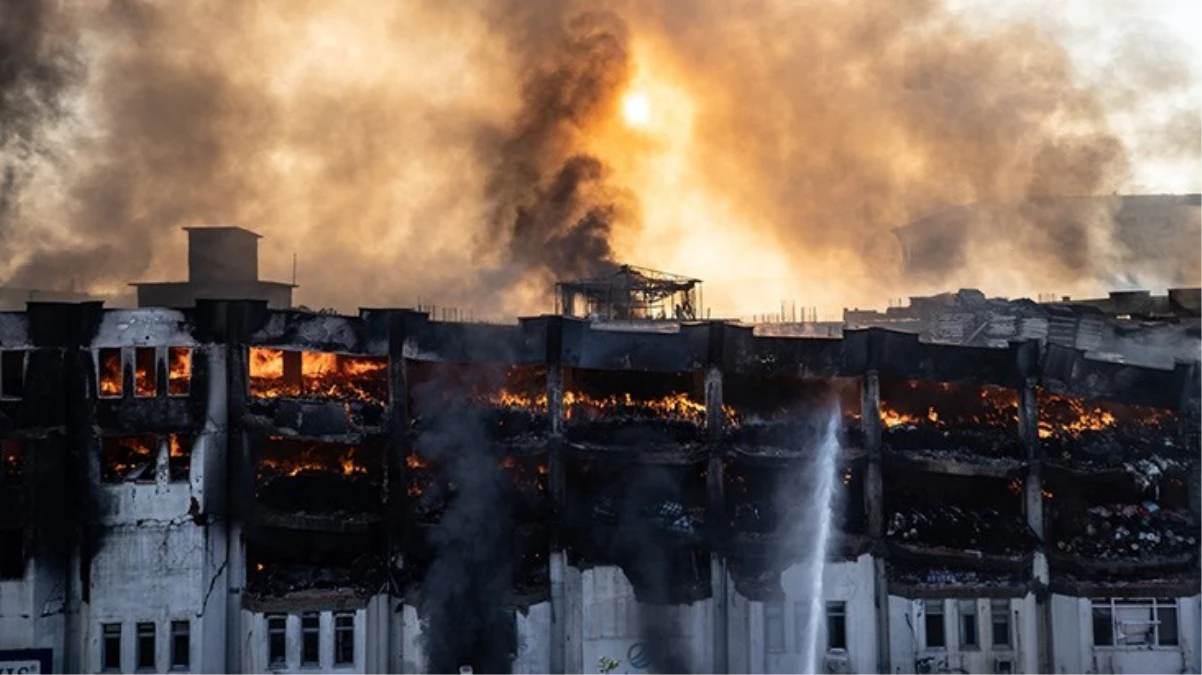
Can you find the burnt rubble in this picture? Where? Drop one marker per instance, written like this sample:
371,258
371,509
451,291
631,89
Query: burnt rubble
983,529
1130,532
664,455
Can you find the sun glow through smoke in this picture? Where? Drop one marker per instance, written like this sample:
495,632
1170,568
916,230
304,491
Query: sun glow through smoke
636,109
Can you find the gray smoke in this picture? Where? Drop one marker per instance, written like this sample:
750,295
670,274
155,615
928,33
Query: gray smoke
466,596
555,206
39,67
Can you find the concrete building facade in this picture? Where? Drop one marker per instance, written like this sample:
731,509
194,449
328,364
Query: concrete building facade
234,488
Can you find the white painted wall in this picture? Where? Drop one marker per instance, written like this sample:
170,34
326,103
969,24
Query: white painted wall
534,640
1074,651
256,659
611,624
908,639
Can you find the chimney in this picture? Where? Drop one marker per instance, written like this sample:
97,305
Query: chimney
222,254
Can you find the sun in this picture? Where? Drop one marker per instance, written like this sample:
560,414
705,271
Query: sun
636,109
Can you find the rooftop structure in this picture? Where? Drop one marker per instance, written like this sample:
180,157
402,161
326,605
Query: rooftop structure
630,293
223,264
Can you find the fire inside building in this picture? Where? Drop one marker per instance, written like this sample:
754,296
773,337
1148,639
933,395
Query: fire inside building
231,487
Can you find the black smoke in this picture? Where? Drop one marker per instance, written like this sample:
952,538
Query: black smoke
466,600
557,205
39,66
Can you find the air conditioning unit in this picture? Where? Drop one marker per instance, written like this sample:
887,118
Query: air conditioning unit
1003,665
837,663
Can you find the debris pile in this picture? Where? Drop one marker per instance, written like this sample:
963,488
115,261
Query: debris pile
950,576
1126,531
982,529
969,443
365,573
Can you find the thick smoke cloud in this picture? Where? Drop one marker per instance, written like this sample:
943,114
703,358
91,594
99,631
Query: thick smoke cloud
557,207
467,593
472,152
37,65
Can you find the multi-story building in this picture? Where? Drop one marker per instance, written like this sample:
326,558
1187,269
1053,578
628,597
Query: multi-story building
236,488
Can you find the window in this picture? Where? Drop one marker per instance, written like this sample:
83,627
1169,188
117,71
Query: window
967,610
12,553
131,457
110,649
181,645
179,456
774,627
1135,622
836,626
277,630
310,630
12,373
344,639
146,646
109,382
145,372
933,622
999,611
179,371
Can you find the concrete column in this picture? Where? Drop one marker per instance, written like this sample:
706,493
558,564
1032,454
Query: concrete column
1028,433
566,638
874,506
715,417
292,368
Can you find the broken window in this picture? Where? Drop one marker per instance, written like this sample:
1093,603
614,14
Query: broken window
145,646
836,626
109,382
774,627
12,553
936,633
12,453
181,645
179,456
967,609
128,458
1135,622
145,372
310,633
277,631
179,371
344,639
999,611
12,373
110,649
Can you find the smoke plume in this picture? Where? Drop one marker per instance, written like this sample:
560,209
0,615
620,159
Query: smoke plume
37,66
472,152
466,595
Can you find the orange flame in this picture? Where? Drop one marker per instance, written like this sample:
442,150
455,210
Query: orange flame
110,372
315,459
1072,416
179,373
322,375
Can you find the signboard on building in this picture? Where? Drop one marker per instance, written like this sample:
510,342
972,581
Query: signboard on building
23,661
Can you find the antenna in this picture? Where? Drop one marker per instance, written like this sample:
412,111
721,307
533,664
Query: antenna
294,268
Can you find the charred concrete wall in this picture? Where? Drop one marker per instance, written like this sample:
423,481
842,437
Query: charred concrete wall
304,490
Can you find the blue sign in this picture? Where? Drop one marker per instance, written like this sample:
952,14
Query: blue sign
26,661
637,656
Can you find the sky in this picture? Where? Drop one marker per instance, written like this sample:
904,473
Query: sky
1096,33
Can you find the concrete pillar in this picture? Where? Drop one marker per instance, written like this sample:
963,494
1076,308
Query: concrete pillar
566,637
292,368
396,493
874,506
1028,433
715,417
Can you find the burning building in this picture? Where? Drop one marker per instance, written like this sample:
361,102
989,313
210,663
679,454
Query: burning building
229,486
